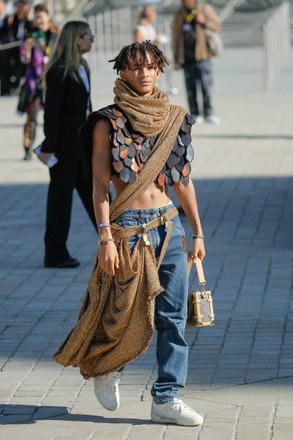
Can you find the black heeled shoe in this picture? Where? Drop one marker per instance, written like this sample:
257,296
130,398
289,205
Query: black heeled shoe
68,263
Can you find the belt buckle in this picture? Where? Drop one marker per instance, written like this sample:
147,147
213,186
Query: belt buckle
162,218
145,235
164,222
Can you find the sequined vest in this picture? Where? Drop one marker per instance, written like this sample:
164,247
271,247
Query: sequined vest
130,150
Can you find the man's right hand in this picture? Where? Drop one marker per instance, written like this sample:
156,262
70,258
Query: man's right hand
108,258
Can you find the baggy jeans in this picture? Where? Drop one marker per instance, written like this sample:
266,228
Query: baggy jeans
170,305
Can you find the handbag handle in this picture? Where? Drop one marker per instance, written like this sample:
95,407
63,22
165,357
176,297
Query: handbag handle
199,268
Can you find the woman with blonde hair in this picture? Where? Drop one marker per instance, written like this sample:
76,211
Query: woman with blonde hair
67,103
145,29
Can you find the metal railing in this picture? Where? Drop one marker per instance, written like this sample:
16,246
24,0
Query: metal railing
113,30
229,8
276,42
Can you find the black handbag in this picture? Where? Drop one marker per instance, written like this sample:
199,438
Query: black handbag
24,97
200,309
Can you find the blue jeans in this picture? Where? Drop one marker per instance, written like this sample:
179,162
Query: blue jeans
198,72
170,305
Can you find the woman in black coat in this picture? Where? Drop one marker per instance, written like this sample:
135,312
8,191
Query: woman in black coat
67,103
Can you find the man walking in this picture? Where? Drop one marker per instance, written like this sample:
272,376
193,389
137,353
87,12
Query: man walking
142,144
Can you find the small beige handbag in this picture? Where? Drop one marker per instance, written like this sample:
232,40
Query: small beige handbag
200,310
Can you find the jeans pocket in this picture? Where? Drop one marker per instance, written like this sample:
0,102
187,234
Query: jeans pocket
177,225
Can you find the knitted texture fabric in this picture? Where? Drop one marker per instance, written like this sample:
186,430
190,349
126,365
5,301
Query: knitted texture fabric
115,324
146,114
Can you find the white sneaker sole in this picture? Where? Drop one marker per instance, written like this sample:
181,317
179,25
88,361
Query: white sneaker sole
181,422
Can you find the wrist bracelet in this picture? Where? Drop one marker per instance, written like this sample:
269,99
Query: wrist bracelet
195,236
105,241
103,225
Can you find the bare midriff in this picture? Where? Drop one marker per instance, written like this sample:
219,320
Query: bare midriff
154,197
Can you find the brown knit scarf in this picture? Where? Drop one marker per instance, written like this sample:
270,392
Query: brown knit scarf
146,114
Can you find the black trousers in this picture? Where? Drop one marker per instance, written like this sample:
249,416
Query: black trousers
65,176
4,72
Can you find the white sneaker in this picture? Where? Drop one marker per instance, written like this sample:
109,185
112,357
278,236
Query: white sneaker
198,119
213,119
107,390
176,412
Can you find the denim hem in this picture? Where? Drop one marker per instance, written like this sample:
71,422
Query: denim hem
165,400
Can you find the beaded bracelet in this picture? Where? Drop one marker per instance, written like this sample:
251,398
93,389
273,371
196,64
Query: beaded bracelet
195,236
103,225
105,241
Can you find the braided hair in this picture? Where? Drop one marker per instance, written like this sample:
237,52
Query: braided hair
136,53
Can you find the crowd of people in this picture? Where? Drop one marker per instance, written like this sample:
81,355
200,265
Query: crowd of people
25,45
142,144
13,28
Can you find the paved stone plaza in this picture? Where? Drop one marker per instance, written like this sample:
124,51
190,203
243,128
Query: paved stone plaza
241,371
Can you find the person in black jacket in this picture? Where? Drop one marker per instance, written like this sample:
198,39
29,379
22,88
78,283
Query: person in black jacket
67,103
17,26
4,52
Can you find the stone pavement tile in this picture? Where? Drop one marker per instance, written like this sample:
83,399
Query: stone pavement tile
259,435
220,417
13,419
246,424
216,432
282,429
282,435
146,432
180,431
18,409
43,430
194,436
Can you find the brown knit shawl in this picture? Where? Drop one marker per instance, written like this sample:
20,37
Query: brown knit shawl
146,114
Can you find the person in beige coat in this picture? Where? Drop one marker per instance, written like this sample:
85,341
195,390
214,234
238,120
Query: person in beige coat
191,51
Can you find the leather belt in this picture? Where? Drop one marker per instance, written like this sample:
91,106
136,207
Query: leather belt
166,215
